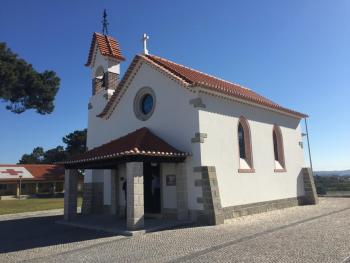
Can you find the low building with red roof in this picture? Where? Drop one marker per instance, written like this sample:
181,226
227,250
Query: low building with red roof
30,179
171,140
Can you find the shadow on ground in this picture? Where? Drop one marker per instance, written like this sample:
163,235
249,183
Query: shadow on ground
27,233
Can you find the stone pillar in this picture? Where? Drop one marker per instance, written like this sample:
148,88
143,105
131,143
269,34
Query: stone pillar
134,199
213,213
311,197
114,192
97,197
70,194
93,193
181,191
86,207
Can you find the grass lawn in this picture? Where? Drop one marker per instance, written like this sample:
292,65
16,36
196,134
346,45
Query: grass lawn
31,205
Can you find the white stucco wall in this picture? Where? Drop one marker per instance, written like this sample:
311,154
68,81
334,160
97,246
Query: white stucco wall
168,192
174,120
220,121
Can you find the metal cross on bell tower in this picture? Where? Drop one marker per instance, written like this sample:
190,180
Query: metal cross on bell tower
105,23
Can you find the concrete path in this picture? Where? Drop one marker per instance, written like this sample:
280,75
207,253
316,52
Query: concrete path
52,212
301,234
44,213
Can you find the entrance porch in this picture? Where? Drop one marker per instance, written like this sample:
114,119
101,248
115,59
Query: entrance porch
139,182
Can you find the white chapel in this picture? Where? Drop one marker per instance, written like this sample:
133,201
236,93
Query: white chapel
168,140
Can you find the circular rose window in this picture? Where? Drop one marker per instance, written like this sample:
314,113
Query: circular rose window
144,103
147,104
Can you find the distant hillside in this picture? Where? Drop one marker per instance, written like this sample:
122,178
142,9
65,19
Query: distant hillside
330,173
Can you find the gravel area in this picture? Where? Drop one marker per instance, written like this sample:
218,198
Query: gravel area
300,234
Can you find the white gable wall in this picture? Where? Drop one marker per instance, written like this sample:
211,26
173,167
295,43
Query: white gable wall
174,120
220,121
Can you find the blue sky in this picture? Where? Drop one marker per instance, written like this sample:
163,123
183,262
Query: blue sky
295,52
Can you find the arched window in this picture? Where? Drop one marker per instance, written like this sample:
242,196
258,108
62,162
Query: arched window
241,141
278,149
244,146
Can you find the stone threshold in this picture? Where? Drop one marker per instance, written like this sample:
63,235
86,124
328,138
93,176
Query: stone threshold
118,226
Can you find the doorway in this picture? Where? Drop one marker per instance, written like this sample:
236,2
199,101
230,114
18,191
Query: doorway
151,187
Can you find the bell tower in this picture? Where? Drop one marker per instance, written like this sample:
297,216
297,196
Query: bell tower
104,61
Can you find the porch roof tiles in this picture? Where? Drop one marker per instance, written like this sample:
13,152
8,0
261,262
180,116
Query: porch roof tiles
141,142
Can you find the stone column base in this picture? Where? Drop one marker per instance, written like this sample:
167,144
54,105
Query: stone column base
135,199
70,194
86,207
92,198
212,211
311,197
181,192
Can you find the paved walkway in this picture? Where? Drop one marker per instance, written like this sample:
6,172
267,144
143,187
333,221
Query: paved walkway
50,212
301,234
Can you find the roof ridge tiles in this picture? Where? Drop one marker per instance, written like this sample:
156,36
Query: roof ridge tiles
109,45
190,78
198,71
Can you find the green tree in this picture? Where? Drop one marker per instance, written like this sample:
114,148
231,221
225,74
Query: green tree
36,157
57,154
24,88
76,142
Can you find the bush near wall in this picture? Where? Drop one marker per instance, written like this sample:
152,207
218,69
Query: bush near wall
326,184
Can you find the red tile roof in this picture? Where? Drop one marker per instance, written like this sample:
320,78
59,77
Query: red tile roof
107,45
197,78
141,142
191,77
40,172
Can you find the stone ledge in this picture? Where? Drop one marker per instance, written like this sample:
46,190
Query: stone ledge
199,169
199,137
261,207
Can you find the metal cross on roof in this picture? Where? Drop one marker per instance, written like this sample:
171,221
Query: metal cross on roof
105,23
144,39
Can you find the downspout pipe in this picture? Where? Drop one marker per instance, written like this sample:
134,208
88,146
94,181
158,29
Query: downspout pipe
308,146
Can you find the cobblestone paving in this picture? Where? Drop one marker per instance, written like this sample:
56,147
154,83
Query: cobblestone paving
300,234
